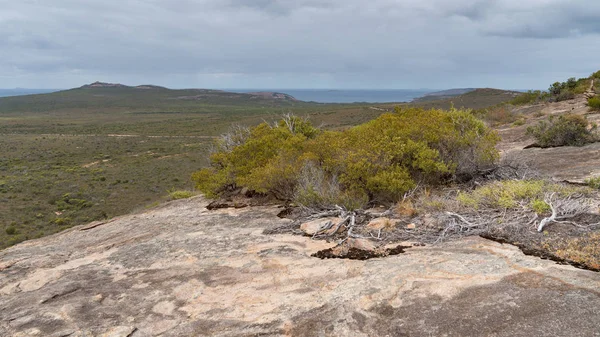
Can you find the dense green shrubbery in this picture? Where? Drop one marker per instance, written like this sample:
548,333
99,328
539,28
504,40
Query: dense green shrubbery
376,161
566,130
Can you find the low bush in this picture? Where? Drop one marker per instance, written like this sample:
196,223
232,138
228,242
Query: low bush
566,130
377,161
497,115
529,97
511,194
540,206
593,182
564,95
594,103
582,85
181,194
519,122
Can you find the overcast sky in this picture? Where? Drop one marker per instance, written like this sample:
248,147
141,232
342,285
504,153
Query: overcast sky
298,43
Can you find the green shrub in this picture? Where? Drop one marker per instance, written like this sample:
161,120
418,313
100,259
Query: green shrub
594,103
556,88
376,161
62,221
509,194
316,188
567,90
566,130
540,206
519,122
181,194
529,97
11,230
582,85
564,95
502,194
593,182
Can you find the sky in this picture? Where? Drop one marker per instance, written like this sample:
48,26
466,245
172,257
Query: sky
365,44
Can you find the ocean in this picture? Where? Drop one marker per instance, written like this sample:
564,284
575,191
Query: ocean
21,92
347,96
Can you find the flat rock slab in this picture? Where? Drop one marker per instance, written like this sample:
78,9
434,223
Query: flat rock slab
571,163
574,164
181,270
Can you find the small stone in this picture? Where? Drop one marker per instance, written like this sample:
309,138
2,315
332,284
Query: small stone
120,331
362,244
411,226
313,227
6,265
381,223
98,298
164,308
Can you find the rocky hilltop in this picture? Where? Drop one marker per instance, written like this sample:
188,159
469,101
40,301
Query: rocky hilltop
181,270
99,84
184,270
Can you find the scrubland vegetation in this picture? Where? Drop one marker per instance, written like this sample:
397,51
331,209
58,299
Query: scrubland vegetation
564,130
512,210
86,154
594,103
436,169
85,158
52,182
375,162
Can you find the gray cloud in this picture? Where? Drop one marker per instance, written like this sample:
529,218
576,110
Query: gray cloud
303,43
545,19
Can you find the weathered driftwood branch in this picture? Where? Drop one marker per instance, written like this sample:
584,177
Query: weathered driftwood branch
548,220
564,209
461,218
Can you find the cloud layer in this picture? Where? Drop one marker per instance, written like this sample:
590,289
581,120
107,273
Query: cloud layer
298,43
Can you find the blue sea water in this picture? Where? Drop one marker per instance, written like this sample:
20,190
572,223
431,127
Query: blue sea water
21,92
348,96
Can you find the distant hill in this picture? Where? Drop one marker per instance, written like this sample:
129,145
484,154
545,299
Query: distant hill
473,99
273,95
119,85
443,94
104,85
101,95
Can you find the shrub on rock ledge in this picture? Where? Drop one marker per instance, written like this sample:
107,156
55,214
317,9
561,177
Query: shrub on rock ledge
594,103
566,130
378,161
